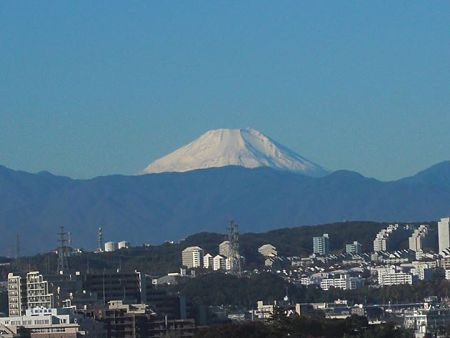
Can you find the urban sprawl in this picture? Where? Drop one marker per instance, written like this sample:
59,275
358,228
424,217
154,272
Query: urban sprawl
135,304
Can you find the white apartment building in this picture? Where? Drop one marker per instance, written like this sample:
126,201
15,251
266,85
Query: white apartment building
225,249
27,292
192,257
343,281
390,276
219,263
418,238
44,322
387,239
444,233
38,294
17,295
208,261
268,250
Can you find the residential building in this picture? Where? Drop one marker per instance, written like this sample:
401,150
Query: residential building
192,257
390,276
444,233
127,320
321,245
27,292
219,263
38,294
389,239
111,285
268,250
420,238
428,321
342,281
225,249
208,261
353,248
51,323
17,295
140,321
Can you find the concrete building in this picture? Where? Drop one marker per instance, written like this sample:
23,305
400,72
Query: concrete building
127,286
219,263
17,295
110,246
428,321
420,238
343,281
48,323
353,248
444,233
390,276
389,239
123,245
140,321
127,320
225,249
268,250
27,292
208,261
192,257
321,245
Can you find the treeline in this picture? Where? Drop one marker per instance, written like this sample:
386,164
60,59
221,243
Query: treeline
294,326
220,289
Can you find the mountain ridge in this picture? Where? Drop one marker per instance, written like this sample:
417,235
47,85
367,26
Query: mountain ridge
168,206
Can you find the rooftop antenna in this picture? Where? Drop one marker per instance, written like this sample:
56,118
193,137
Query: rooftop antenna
235,258
63,264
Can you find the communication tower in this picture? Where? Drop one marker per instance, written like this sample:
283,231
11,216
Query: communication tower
100,239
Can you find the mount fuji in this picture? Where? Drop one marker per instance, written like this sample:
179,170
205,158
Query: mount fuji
246,148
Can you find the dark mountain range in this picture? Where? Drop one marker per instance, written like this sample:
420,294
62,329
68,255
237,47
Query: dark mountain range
168,206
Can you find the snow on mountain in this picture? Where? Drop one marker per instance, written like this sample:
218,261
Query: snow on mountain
247,148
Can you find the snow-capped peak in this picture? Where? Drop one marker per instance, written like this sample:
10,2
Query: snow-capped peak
247,148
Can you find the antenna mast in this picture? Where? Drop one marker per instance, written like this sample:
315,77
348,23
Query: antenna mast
100,239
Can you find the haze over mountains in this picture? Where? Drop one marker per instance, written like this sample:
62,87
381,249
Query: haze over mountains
280,189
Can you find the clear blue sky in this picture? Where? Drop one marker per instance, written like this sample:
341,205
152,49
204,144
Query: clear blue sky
92,88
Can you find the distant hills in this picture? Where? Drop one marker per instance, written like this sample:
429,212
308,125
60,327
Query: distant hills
169,206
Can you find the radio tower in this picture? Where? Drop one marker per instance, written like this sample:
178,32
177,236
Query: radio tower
63,264
235,257
100,239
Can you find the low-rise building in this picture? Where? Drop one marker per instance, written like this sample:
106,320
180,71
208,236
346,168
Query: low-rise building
48,323
342,281
390,276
